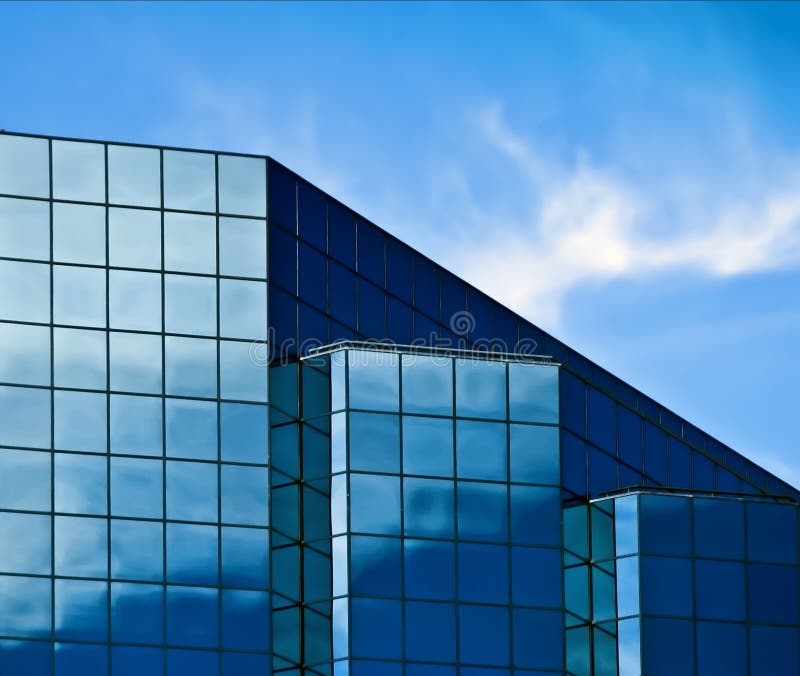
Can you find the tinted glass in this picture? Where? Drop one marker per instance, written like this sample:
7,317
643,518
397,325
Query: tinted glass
79,358
190,243
27,291
134,176
189,181
374,442
374,380
480,389
79,296
134,238
242,247
375,504
427,385
481,450
24,166
79,171
242,185
427,446
24,228
25,354
79,234
533,393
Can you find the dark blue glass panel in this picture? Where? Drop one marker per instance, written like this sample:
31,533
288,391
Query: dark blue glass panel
429,569
481,389
666,586
370,668
137,552
655,453
370,252
665,525
371,310
772,593
483,634
282,196
128,661
602,472
703,473
375,504
680,464
283,320
573,403
482,511
80,610
136,613
506,329
374,442
426,331
375,566
376,628
718,528
534,454
773,651
194,662
719,589
245,619
398,269
434,670
428,507
481,450
342,234
398,321
282,259
574,463
538,639
26,606
454,297
311,277
667,647
630,437
535,577
25,658
427,445
535,515
245,664
342,294
191,553
312,215
74,659
771,532
483,573
245,560
721,649
192,617
479,306
430,631
602,415
426,287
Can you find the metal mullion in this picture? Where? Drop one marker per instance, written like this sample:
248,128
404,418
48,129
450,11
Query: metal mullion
219,419
163,430
52,427
108,424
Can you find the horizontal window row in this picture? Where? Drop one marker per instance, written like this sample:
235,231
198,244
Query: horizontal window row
132,175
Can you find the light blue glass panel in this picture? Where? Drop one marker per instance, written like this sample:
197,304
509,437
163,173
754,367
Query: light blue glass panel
24,354
245,557
242,185
245,620
192,491
79,358
534,454
341,631
480,389
242,247
24,543
339,566
482,511
134,176
628,586
427,446
24,166
135,300
80,421
373,379
135,362
375,566
79,233
137,551
24,228
339,504
192,553
191,366
24,480
136,613
626,525
189,181
79,171
533,392
244,433
338,380
26,291
134,238
428,507
375,504
136,487
190,243
427,384
80,610
244,495
81,546
481,450
26,606
79,296
24,417
80,483
136,425
190,304
192,617
375,442
242,375
628,648
242,309
191,429
338,442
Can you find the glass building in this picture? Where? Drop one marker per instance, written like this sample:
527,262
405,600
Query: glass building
245,431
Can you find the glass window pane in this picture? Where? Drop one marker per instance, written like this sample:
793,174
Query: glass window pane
772,532
135,300
24,543
535,515
481,450
135,362
482,511
134,238
137,551
375,566
79,296
375,442
244,433
24,228
719,589
134,176
79,358
24,166
375,504
430,631
538,639
773,651
189,181
483,634
721,649
536,576
243,375
26,607
190,304
427,385
483,573
245,557
665,525
190,243
192,553
80,484
244,495
136,426
80,610
242,247
428,506
24,417
192,491
771,592
718,528
533,392
480,389
79,171
242,185
429,569
81,546
534,454
24,480
87,660
80,421
376,628
25,658
373,380
26,291
79,234
245,620
192,429
136,614
242,309
191,366
24,354
666,586
192,617
136,487
427,446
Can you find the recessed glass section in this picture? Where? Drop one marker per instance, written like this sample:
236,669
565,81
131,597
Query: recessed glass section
24,354
189,181
134,176
134,238
24,228
79,358
79,233
79,171
26,291
79,296
242,185
190,243
242,247
190,305
24,166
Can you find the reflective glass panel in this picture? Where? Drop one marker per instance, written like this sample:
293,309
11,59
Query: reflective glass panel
243,375
136,426
135,300
26,607
242,185
79,233
244,495
244,433
81,546
428,507
87,660
80,483
192,617
245,557
24,166
481,450
135,362
374,442
245,620
136,487
242,309
375,504
79,171
242,247
480,389
721,649
24,480
136,613
26,295
192,553
192,491
718,528
24,228
772,532
534,454
536,577
190,366
665,525
376,628
427,446
373,379
137,551
79,296
535,515
483,573
134,238
190,243
719,589
80,421
482,511
134,176
533,392
429,569
189,181
427,385
190,304
191,429
538,639
483,634
24,417
666,586
79,358
24,354
80,610
430,631
24,543
375,566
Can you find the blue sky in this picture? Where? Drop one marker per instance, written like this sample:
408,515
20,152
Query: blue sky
624,175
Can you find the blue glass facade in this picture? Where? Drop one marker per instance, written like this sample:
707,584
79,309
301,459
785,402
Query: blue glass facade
170,505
